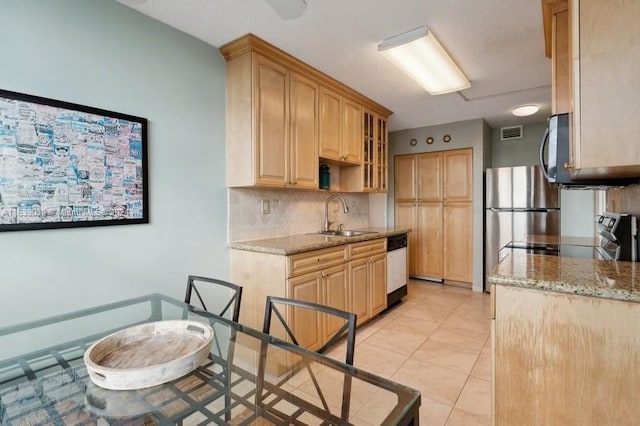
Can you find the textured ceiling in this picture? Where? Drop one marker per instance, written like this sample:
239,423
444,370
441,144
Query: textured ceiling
498,44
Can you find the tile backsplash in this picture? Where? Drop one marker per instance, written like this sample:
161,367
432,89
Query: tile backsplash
291,212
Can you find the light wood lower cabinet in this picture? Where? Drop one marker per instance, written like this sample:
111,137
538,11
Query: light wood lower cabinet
305,324
335,294
458,237
368,279
326,287
563,359
351,277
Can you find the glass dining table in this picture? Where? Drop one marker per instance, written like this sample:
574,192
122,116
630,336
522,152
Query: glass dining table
249,378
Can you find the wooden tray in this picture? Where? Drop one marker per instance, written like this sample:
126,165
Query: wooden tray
148,354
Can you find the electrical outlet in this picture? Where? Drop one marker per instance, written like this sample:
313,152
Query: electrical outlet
266,207
335,208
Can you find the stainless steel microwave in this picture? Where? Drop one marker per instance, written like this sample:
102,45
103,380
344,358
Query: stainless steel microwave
555,149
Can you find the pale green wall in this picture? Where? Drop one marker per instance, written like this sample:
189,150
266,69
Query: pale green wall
464,134
105,55
518,152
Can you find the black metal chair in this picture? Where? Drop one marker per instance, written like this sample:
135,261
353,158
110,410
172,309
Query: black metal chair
349,326
193,282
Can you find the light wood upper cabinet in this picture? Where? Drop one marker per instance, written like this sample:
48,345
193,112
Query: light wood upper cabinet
340,128
457,179
351,131
303,149
272,126
595,51
405,187
381,168
430,176
283,116
330,124
557,47
606,65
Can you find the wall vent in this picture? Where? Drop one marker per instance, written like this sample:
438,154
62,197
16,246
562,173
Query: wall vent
510,133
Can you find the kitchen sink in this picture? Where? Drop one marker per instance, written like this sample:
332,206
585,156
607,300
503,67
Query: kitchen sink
345,233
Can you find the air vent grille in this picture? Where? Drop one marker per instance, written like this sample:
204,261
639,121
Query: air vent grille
510,133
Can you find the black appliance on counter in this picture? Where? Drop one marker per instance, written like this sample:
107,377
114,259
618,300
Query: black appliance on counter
619,234
555,154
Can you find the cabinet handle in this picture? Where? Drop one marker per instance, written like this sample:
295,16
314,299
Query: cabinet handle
569,166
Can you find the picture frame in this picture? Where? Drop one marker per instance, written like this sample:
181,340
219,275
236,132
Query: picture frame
64,165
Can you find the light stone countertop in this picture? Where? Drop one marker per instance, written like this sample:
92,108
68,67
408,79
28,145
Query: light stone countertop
588,277
301,243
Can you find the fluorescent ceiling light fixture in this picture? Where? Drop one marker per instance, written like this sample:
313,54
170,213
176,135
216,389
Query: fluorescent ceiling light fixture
525,110
419,54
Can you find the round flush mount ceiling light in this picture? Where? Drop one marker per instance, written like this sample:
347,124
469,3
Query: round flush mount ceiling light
525,110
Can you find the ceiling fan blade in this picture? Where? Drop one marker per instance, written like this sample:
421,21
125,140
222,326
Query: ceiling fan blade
288,9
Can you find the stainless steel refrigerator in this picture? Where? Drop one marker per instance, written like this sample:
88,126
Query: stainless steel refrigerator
522,213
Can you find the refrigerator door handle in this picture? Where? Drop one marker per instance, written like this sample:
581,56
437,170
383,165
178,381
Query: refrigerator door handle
543,143
523,210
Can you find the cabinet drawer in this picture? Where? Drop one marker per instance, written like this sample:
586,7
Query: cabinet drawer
367,248
315,260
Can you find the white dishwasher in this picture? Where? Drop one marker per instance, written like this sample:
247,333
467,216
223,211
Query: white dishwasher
396,268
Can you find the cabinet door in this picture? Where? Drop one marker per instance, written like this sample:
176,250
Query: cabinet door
405,178
329,124
560,60
359,285
378,284
351,141
336,296
369,151
457,178
272,122
303,149
405,217
381,162
429,166
458,250
305,323
606,104
429,239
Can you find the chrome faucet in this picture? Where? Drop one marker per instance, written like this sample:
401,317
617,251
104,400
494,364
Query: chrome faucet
345,208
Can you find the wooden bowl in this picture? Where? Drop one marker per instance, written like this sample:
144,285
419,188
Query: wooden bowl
148,354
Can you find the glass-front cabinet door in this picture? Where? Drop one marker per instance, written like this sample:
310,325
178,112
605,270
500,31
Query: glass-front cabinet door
368,161
374,165
381,154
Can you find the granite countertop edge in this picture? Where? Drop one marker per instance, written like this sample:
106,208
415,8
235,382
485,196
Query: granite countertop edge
284,245
621,294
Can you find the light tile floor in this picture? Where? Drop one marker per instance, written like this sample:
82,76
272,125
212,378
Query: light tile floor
436,341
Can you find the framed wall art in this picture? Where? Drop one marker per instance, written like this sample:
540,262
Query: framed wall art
64,165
